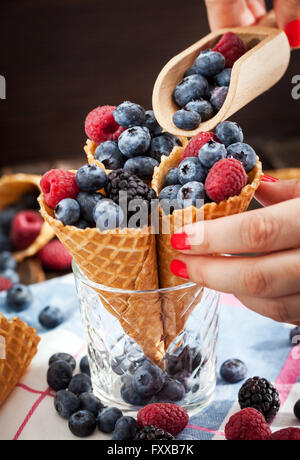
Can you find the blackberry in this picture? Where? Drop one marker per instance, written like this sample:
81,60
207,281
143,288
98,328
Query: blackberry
150,433
122,181
261,395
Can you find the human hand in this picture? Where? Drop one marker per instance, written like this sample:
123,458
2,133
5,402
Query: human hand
235,13
268,284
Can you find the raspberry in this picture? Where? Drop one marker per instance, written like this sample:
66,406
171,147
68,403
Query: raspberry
55,257
232,48
288,434
5,284
196,143
166,416
25,228
57,185
100,125
225,179
247,425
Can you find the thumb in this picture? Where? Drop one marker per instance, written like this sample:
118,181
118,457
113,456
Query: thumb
228,13
273,193
288,18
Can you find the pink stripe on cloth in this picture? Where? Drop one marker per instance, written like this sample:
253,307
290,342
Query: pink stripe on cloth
30,413
289,374
231,300
200,428
31,390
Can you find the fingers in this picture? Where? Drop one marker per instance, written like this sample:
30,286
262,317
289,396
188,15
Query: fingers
269,194
266,230
283,310
269,276
257,7
228,13
286,11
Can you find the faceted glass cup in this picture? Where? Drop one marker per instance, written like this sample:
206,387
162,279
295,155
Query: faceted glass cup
120,341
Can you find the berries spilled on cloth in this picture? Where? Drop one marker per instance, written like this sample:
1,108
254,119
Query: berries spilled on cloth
247,425
128,137
151,433
261,395
203,91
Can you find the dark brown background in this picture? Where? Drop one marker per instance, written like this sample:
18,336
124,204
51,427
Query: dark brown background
62,58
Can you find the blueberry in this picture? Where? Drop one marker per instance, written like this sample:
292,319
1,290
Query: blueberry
172,391
191,171
295,336
108,215
142,167
109,154
211,152
152,124
5,243
51,317
91,178
82,424
193,70
59,375
181,362
85,366
297,409
186,119
7,215
191,194
233,371
80,383
91,403
148,379
168,198
63,357
129,114
223,78
7,261
125,429
172,177
68,211
184,377
66,403
173,138
210,63
218,97
130,395
229,133
82,224
19,297
134,141
244,153
108,418
161,145
192,87
11,275
203,107
87,202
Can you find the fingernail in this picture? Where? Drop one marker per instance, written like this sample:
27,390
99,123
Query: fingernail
293,33
267,178
179,269
181,241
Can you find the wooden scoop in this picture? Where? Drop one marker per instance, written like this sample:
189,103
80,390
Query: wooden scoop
255,72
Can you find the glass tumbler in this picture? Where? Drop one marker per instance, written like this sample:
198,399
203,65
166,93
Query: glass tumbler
121,344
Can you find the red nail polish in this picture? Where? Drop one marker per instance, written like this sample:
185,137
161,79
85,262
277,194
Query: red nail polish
293,33
179,269
181,242
269,179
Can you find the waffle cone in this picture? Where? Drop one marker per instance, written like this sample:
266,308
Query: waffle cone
21,343
178,310
122,259
12,188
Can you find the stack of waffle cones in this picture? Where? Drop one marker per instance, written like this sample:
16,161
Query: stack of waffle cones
126,259
18,346
12,188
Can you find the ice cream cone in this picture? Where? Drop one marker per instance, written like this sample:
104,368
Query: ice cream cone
178,310
12,188
18,344
122,259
